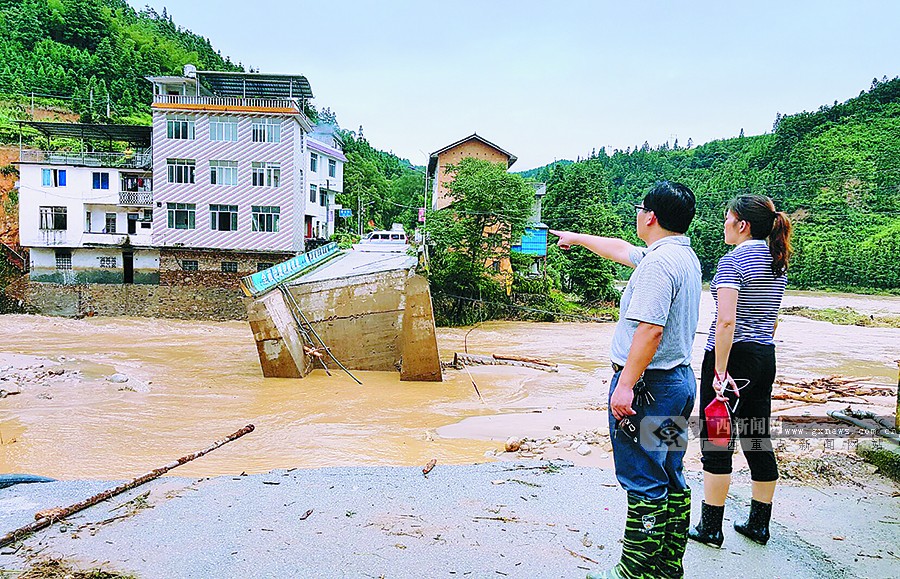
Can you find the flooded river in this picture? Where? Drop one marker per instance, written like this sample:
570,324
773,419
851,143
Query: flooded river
190,383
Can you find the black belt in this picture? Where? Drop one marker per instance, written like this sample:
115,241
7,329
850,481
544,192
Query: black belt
617,368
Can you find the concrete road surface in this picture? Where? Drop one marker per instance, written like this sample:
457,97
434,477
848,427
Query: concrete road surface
489,520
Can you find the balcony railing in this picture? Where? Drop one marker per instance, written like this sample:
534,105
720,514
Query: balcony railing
139,160
190,100
136,198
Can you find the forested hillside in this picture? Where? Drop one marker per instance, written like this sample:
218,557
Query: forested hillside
87,50
836,171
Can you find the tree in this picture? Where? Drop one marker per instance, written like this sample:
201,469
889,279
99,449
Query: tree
489,206
578,200
487,214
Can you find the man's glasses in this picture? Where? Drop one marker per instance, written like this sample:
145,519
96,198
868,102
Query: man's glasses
640,208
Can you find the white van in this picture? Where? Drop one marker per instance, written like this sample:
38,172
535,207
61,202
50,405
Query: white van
381,240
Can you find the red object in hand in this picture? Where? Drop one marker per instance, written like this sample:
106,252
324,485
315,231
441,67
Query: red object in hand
718,423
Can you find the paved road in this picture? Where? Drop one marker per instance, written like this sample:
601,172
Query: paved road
490,520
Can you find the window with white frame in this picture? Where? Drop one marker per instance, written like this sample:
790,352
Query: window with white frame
53,218
263,265
53,177
110,226
107,262
265,174
223,129
229,266
181,215
63,259
100,180
223,173
312,193
332,168
181,170
323,197
314,162
223,217
190,265
179,127
266,131
265,218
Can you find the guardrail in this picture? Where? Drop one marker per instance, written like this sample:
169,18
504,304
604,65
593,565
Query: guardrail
263,281
138,198
189,100
143,160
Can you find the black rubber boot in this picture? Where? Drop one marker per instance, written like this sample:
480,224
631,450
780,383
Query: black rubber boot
757,526
709,530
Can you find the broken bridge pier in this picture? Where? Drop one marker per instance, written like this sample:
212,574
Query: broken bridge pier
369,310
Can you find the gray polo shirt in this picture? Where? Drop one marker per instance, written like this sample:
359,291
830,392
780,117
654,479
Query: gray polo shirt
664,290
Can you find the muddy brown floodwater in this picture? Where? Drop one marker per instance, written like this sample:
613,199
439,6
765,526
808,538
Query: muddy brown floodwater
190,383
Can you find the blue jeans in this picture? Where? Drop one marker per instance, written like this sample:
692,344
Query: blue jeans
652,466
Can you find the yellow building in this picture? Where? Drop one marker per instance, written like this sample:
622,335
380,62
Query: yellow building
438,164
472,146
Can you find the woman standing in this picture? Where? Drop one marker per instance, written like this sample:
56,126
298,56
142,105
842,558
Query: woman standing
748,287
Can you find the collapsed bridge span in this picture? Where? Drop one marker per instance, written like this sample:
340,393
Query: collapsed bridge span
363,310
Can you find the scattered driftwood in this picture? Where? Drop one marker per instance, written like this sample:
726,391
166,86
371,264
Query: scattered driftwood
537,361
461,360
821,390
46,518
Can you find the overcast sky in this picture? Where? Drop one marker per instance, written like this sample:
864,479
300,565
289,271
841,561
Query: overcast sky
553,80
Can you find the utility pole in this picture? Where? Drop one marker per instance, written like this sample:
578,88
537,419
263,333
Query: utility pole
359,210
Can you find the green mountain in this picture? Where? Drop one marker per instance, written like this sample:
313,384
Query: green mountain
90,52
836,171
540,172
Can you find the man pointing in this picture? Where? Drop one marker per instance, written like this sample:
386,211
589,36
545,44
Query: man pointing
653,388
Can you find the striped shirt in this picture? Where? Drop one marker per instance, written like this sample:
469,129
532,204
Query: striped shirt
748,269
664,290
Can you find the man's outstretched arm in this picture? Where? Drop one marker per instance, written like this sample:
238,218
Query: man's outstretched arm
612,248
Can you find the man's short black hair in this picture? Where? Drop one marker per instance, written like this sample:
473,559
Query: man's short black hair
673,203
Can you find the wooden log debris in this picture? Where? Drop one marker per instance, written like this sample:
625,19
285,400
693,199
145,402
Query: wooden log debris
461,359
537,361
822,390
47,517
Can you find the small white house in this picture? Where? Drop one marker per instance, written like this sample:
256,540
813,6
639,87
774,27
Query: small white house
87,217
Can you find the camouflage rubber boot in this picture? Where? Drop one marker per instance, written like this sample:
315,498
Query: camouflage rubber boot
642,545
678,522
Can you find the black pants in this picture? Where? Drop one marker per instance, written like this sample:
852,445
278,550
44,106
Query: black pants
754,362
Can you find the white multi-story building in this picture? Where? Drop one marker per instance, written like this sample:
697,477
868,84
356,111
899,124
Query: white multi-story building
87,217
326,180
237,179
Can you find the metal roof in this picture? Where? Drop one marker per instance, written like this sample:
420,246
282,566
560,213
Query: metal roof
137,135
433,159
256,85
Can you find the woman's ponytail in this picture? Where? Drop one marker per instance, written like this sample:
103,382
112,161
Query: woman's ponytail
766,223
780,243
